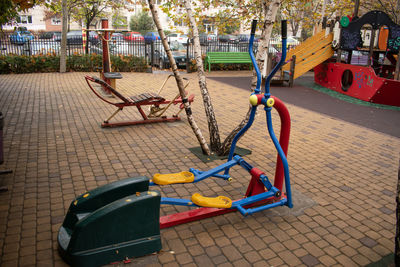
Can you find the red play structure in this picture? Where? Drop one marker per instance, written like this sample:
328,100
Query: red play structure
378,80
358,81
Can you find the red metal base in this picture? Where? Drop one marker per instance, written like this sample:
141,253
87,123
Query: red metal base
127,123
190,216
199,214
361,82
255,187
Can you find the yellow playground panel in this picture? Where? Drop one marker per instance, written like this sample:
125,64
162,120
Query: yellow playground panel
310,53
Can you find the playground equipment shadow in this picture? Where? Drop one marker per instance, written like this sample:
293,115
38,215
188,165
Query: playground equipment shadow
57,150
302,94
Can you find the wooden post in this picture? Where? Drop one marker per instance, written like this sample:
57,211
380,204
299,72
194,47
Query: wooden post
331,25
292,69
324,22
339,51
371,48
356,7
106,61
106,56
187,57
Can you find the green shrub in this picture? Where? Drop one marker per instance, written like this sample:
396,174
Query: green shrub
123,63
51,63
26,64
220,66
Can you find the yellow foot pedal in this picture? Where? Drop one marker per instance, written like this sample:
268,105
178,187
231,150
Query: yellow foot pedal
173,178
212,202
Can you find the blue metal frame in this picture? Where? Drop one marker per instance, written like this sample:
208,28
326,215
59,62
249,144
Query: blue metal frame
257,90
237,160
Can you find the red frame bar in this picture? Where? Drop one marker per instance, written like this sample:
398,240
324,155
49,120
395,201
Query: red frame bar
126,123
283,140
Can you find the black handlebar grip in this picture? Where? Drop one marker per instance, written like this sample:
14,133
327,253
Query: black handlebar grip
284,29
253,26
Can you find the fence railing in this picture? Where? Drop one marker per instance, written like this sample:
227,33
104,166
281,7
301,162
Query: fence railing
153,52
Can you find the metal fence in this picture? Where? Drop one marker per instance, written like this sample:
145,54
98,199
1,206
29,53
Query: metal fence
153,52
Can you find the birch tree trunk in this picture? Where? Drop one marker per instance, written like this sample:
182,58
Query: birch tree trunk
215,140
270,10
63,52
179,81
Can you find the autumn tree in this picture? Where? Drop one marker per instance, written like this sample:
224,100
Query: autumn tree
86,11
199,11
141,22
305,14
390,7
9,9
196,130
55,8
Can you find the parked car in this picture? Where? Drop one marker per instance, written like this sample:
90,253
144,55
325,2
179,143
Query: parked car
21,37
117,36
228,38
75,38
290,41
133,36
207,38
117,48
151,37
178,52
51,36
177,37
244,38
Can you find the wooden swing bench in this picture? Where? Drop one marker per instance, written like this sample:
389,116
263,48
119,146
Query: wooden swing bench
158,104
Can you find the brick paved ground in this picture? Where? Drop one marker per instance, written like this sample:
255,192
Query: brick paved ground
57,150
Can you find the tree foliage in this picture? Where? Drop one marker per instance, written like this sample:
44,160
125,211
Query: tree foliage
390,7
305,14
119,21
226,15
214,11
86,11
141,22
9,9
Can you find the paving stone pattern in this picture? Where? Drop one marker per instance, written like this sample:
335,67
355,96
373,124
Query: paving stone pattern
55,146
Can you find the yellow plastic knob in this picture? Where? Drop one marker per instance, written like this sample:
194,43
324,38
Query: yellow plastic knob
254,100
270,102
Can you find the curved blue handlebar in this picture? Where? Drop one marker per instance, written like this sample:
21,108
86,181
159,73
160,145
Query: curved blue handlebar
257,90
280,63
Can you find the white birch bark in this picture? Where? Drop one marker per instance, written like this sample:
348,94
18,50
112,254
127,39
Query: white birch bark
270,9
215,140
179,81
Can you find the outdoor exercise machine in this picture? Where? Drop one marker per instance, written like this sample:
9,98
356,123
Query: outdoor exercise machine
122,219
158,104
